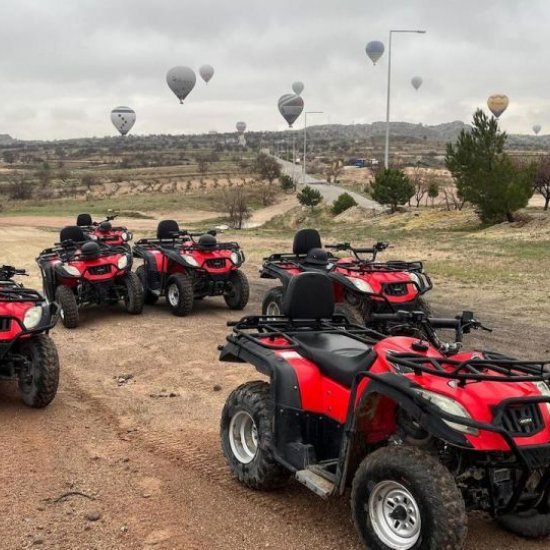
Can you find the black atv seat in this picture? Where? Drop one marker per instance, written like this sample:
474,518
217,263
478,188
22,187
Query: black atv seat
305,240
84,220
167,229
339,357
72,233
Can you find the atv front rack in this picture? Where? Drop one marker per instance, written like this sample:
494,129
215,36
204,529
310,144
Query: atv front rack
19,294
389,267
496,369
68,252
158,244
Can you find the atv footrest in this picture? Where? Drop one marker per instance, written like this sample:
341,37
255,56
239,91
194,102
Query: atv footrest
319,484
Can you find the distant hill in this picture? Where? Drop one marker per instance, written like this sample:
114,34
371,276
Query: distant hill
440,132
6,139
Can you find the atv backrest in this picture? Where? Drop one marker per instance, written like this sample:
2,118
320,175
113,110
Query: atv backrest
72,233
84,220
167,228
309,296
305,240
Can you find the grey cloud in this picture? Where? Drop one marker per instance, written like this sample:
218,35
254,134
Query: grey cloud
70,63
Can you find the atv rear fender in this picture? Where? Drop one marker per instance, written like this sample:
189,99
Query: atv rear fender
274,272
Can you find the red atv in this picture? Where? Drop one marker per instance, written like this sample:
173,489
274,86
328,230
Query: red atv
184,268
104,231
78,272
362,286
422,433
27,353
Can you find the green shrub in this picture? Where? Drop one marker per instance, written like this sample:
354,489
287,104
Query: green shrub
342,203
392,187
309,197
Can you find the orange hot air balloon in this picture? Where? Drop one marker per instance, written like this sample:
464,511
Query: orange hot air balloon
497,104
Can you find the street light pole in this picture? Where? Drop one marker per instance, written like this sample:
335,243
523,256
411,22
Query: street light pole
305,142
388,96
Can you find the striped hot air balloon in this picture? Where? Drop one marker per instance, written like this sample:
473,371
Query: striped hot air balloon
497,104
291,107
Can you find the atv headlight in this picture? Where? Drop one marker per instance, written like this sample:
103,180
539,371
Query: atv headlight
71,270
92,237
32,318
415,278
448,405
122,262
236,258
544,390
190,260
361,285
124,236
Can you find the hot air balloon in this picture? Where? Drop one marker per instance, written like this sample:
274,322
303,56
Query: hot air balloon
291,107
537,128
123,119
241,127
416,82
206,72
181,81
374,50
298,87
497,104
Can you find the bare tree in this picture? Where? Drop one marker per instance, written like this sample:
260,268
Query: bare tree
541,181
236,205
20,187
334,170
419,180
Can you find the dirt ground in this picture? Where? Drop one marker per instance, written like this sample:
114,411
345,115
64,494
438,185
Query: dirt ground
128,455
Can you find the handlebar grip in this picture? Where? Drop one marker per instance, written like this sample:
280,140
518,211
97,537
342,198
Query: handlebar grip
364,250
386,317
444,323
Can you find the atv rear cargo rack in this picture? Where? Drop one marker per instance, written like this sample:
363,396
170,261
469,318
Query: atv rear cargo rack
268,327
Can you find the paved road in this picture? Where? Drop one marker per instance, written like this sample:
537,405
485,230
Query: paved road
329,191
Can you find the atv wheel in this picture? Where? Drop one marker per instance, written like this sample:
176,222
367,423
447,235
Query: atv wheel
403,498
179,294
133,298
68,308
39,389
351,313
247,437
272,305
237,297
148,297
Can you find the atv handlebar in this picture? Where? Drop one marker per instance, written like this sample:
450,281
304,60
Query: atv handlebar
377,247
8,271
461,324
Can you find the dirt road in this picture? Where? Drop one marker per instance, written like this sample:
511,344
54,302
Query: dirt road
127,456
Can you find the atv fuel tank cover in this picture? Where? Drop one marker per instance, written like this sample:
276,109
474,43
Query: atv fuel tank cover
90,250
207,241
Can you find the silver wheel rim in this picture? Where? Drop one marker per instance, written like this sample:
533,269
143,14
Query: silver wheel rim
243,437
273,309
173,295
394,515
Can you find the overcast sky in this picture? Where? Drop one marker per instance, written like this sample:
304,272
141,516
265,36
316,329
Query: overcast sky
64,65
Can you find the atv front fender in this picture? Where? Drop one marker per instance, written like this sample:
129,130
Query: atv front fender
401,391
